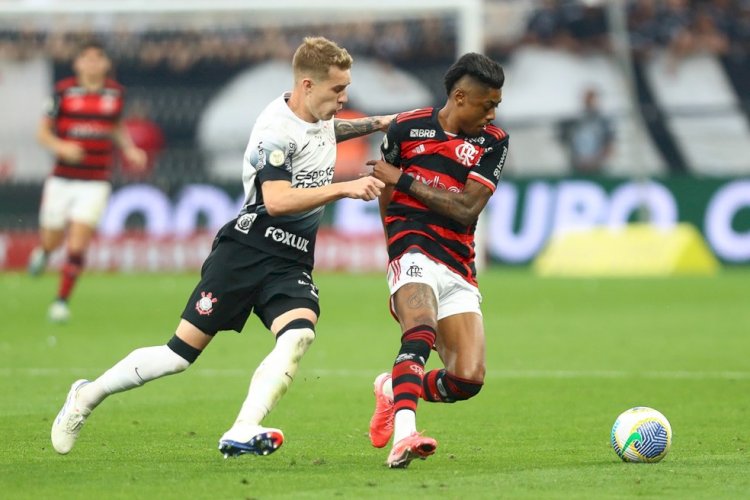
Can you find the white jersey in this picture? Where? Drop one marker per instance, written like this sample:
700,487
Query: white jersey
282,146
283,140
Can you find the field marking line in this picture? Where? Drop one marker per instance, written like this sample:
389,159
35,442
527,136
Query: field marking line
491,374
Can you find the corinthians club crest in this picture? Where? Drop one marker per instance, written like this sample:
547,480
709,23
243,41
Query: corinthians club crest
205,306
245,222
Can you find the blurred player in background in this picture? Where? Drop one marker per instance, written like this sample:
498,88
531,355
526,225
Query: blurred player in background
262,260
81,129
441,168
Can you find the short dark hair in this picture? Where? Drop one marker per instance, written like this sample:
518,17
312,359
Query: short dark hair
477,66
89,43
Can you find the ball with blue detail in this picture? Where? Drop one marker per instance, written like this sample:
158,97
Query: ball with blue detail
641,434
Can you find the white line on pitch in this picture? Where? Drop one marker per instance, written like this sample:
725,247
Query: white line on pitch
491,374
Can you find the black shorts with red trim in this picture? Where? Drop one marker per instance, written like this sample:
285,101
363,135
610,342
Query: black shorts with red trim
238,279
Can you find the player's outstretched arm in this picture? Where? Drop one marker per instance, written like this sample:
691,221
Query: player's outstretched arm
349,129
280,198
463,207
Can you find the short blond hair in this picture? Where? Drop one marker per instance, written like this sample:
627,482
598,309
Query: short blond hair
315,57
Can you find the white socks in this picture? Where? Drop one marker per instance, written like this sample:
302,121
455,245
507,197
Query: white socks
137,368
270,380
404,424
388,388
274,375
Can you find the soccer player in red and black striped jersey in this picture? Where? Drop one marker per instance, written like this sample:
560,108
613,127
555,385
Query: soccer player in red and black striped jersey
82,128
440,167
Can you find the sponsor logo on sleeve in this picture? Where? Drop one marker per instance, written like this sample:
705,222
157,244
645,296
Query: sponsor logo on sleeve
261,159
501,163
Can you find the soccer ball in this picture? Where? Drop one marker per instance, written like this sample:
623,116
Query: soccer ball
641,434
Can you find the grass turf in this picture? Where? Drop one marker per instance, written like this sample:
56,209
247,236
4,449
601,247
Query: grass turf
564,358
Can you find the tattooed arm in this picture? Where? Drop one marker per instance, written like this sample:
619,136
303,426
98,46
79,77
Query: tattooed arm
463,207
349,129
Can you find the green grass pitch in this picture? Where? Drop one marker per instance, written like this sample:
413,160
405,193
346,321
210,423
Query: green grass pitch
564,358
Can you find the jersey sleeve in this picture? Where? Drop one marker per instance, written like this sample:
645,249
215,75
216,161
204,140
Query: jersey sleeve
490,166
272,157
390,148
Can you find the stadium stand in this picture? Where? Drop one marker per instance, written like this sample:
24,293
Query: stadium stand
690,67
544,88
703,113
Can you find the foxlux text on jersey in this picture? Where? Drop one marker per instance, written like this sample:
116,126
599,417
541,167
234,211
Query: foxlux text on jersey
287,238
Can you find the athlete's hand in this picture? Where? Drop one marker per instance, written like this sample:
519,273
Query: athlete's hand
385,172
385,121
70,151
136,157
365,188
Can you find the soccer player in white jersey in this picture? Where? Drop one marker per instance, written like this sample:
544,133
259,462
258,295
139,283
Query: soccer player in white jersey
262,260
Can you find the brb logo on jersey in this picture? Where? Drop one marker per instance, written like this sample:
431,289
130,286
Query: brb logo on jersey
205,306
466,153
422,133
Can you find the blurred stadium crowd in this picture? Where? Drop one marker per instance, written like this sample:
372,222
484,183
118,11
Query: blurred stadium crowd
721,27
175,49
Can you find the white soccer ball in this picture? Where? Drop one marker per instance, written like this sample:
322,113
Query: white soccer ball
641,434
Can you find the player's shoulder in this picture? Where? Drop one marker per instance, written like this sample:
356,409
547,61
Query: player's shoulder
113,84
417,123
495,133
65,84
414,115
277,125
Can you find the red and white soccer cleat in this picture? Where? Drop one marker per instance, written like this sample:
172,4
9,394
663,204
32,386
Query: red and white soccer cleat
381,423
409,448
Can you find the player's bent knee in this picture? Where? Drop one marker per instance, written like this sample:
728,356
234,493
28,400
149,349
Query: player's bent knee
303,331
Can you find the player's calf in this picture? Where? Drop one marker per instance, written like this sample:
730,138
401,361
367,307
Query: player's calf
444,387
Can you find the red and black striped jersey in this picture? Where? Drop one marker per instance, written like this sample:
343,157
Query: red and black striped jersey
88,118
416,143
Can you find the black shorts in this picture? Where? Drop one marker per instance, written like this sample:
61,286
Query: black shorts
237,279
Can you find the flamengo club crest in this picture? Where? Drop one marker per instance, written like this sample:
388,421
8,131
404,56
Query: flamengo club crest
205,305
466,153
